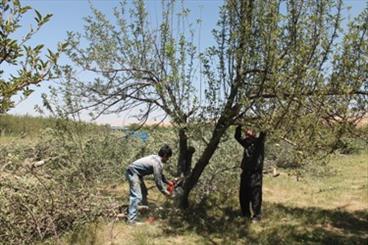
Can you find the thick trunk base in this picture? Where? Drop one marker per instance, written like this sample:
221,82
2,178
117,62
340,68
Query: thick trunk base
181,198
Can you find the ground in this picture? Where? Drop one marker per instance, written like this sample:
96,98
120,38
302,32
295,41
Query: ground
314,209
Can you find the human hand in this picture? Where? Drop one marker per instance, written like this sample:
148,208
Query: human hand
169,194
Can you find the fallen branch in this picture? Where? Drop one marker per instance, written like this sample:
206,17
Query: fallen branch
289,141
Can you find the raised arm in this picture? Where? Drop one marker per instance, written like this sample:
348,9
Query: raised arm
238,136
262,136
245,142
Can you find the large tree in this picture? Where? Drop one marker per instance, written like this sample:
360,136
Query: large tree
23,64
282,66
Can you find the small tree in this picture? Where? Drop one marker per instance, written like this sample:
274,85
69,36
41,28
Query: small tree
276,65
16,54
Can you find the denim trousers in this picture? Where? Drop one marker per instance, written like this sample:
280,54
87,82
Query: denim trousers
137,194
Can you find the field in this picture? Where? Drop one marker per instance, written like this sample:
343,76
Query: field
331,210
76,194
292,71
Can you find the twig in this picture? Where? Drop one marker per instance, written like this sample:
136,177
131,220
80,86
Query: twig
289,141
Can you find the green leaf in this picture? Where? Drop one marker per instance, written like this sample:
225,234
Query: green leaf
28,92
38,47
6,7
47,17
16,3
39,16
64,45
23,10
50,52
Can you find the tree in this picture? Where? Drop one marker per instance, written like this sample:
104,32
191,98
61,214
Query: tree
16,54
150,69
277,65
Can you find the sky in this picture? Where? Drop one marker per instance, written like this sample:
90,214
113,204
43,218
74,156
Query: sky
68,16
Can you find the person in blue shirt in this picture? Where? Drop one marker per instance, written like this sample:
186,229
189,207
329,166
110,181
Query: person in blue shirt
135,172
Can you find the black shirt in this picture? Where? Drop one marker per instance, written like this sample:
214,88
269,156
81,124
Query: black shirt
253,155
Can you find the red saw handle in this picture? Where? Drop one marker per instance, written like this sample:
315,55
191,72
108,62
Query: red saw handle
171,186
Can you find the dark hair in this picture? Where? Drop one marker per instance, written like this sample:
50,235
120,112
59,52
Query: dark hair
165,151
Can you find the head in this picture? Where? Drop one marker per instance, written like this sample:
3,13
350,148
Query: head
249,132
165,153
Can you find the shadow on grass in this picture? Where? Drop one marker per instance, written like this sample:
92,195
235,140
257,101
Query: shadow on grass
280,224
224,228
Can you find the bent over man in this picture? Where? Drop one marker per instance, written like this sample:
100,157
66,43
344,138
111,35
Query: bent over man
135,172
250,194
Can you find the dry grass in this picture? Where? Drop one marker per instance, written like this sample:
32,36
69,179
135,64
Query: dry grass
346,188
363,122
120,233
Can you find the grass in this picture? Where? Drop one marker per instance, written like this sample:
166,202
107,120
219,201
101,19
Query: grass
315,210
344,188
29,126
7,140
120,233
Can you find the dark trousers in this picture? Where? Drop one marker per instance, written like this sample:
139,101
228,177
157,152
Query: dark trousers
250,194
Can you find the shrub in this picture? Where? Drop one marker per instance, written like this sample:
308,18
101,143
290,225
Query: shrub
36,203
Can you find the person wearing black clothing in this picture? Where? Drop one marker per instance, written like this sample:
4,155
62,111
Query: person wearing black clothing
250,194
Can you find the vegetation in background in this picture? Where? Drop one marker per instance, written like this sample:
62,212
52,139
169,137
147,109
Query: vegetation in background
30,126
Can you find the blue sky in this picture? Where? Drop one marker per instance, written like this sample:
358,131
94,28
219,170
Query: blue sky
68,16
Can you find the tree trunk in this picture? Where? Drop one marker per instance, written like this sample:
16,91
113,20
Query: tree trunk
192,179
183,149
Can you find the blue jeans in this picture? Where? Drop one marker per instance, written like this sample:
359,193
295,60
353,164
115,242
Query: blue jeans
137,194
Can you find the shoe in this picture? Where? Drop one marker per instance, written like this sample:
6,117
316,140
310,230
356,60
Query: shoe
256,218
143,207
246,216
121,216
134,223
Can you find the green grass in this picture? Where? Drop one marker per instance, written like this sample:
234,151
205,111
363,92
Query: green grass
30,126
314,210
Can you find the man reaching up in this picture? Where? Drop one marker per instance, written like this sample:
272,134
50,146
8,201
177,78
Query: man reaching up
250,194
